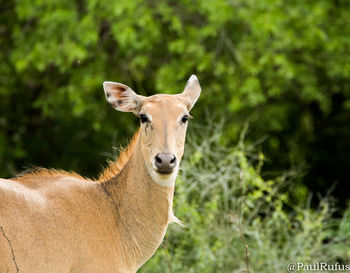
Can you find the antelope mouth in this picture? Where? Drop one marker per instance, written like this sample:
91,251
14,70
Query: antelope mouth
161,172
164,172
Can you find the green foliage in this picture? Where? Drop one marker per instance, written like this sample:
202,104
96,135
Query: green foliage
284,65
208,196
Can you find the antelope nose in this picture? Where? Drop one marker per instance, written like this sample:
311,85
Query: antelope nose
165,162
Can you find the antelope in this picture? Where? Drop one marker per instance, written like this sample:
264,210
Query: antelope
57,221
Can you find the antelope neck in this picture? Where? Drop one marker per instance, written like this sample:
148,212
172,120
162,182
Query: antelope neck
142,209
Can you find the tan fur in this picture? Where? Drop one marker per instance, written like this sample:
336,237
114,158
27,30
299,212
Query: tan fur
45,173
59,222
56,222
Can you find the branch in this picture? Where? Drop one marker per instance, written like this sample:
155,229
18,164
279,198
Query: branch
240,223
13,253
167,255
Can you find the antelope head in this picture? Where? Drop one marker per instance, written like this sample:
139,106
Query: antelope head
163,121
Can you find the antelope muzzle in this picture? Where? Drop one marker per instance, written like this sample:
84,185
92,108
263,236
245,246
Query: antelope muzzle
165,163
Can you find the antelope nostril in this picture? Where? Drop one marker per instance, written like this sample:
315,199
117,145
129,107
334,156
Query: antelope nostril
173,160
158,159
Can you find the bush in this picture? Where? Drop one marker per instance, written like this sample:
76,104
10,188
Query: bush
208,199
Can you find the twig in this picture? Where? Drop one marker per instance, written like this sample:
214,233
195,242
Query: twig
13,253
232,48
167,255
240,223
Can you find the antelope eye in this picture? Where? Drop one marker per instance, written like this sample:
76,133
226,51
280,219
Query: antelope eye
143,118
184,118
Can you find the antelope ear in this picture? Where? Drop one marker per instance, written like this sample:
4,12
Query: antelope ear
191,92
122,97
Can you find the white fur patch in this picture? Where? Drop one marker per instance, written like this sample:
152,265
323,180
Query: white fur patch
167,181
174,219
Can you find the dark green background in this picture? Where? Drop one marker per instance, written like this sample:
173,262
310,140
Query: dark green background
284,66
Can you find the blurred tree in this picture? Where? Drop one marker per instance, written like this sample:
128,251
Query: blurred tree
284,65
